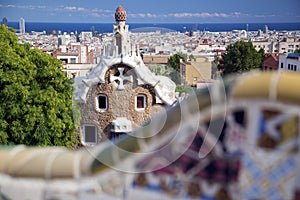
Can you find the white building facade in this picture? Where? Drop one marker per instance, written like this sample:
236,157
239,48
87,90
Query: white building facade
290,62
287,45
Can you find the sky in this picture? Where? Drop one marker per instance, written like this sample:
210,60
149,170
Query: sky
152,11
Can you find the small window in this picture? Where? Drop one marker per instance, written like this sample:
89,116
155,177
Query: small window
140,102
195,78
73,60
289,66
101,102
295,67
64,61
89,134
281,65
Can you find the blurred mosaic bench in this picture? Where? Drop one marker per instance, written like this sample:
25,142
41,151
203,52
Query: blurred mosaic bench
238,139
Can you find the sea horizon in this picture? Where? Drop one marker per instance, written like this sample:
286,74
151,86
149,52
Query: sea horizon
106,27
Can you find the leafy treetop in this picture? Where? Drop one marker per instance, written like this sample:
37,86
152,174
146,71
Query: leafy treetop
35,96
240,57
174,61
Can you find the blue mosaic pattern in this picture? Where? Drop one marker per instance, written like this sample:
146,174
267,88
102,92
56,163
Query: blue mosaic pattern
266,183
282,170
251,166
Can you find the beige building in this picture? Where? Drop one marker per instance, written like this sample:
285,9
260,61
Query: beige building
198,71
156,59
286,45
289,45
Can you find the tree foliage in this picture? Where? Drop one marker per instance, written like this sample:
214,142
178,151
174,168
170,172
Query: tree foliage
191,57
240,57
183,89
297,50
35,96
174,61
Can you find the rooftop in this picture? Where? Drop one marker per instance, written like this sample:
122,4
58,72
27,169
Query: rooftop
120,14
293,55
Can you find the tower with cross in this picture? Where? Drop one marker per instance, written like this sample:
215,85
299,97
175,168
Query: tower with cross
120,93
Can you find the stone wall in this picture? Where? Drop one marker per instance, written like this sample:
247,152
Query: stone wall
121,103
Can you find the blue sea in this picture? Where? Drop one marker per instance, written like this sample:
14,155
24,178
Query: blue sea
140,27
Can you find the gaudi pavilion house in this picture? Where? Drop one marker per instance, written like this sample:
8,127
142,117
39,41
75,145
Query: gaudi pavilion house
120,93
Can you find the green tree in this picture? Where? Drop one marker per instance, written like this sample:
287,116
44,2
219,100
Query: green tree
240,57
174,62
191,57
262,53
183,89
297,50
35,96
183,56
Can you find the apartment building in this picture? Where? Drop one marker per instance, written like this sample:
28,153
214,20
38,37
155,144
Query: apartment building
290,62
286,45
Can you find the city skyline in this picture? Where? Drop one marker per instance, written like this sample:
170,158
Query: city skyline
154,11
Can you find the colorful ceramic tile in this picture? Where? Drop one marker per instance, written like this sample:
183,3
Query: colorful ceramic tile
190,176
267,174
229,131
235,137
278,130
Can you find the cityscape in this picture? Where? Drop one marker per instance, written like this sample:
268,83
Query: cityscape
80,52
151,112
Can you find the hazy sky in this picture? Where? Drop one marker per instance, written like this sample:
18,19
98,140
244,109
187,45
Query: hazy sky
153,11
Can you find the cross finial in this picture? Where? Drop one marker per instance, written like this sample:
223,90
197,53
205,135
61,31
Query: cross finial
121,78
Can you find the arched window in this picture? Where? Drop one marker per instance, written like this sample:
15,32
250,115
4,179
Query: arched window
101,103
140,102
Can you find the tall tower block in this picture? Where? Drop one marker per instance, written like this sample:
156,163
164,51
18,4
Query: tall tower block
22,25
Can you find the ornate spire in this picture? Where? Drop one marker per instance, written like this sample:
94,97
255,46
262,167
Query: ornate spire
120,14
